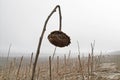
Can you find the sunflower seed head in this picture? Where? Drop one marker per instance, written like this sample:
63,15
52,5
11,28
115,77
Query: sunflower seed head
59,39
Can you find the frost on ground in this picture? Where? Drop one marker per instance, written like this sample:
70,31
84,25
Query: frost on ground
108,71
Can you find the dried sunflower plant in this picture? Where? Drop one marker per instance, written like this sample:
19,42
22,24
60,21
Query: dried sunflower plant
57,38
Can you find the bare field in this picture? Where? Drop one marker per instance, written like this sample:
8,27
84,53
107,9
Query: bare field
103,68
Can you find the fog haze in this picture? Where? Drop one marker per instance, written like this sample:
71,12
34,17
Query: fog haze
22,21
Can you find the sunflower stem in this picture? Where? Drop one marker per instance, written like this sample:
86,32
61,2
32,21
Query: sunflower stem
41,38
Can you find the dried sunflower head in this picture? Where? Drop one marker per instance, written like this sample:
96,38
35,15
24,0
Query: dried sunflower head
59,39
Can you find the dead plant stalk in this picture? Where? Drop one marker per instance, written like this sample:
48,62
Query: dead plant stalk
19,67
92,56
41,37
50,68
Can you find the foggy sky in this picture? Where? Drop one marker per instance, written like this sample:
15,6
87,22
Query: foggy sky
21,23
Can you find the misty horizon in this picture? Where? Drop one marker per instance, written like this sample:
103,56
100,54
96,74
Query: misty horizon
21,24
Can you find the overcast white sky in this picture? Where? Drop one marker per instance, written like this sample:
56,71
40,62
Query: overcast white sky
21,23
